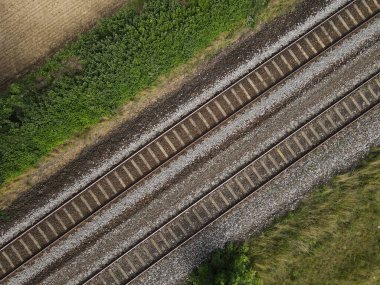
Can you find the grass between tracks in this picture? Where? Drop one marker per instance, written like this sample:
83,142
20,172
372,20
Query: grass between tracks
332,238
145,44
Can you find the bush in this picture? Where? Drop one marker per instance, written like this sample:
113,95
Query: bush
230,266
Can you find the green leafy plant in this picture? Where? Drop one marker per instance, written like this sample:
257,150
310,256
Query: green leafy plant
229,266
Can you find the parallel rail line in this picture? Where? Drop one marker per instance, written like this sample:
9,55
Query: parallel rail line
238,188
184,133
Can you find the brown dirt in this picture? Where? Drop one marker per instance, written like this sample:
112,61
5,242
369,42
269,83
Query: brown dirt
32,30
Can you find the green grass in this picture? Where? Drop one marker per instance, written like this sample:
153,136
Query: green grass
332,238
104,69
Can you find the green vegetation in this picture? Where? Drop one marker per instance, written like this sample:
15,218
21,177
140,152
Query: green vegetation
229,266
332,238
105,68
275,9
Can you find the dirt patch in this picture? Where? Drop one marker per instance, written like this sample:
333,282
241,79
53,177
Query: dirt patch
97,147
32,30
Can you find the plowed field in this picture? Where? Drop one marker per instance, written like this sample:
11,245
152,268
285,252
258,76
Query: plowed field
31,30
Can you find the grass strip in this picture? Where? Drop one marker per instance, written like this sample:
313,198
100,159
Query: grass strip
104,69
332,238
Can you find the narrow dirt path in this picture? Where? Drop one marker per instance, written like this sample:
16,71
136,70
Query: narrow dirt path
31,30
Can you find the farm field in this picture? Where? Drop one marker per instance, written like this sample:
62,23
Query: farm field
332,238
31,30
93,77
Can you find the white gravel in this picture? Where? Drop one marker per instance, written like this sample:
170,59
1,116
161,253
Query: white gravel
283,92
166,120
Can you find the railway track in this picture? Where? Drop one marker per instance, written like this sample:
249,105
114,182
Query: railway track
240,186
186,132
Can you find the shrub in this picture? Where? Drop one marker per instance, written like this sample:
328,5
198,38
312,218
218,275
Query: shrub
230,266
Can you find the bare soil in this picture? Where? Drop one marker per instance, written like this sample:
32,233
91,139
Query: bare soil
32,30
